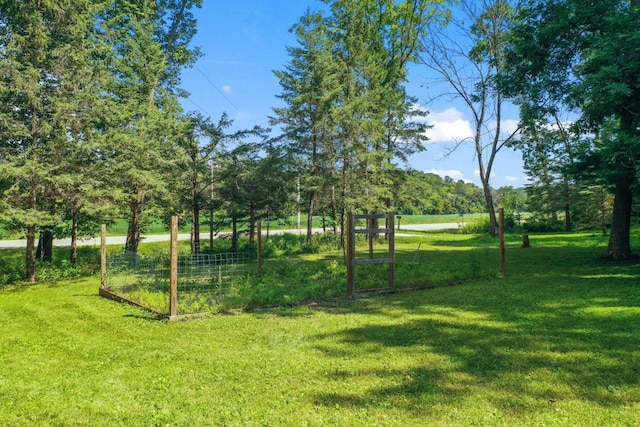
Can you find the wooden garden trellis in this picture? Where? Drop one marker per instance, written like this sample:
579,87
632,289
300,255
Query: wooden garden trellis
371,231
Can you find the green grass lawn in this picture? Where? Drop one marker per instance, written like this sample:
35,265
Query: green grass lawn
555,342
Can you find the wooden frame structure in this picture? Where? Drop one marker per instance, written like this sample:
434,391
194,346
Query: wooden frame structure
371,230
173,313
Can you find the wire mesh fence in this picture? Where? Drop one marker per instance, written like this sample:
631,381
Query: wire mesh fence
204,280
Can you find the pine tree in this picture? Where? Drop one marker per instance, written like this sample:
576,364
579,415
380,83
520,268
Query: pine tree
46,86
150,43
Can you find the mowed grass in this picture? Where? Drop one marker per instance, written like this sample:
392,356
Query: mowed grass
555,342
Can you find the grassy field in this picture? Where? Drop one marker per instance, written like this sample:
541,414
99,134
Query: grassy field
555,342
119,228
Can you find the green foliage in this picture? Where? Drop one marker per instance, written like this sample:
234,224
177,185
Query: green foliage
10,272
571,56
478,226
60,267
535,225
347,115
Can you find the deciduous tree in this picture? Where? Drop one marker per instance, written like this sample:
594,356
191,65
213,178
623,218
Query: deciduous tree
583,57
467,56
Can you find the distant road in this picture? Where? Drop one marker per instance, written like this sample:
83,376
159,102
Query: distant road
120,240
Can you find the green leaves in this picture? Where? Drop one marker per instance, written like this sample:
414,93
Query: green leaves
348,116
582,57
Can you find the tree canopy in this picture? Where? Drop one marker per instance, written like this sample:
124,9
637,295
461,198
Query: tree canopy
584,58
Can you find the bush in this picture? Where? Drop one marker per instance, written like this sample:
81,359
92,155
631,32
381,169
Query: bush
4,234
478,226
543,226
10,272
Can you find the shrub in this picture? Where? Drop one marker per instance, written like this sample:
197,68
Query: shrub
543,226
478,226
10,272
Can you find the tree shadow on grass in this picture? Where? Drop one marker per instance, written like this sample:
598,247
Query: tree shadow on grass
520,346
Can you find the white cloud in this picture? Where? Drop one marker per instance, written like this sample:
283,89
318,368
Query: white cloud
454,174
509,126
226,89
476,172
448,126
511,178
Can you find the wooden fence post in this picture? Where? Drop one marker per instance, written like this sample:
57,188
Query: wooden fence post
350,254
103,257
392,251
503,262
173,278
259,247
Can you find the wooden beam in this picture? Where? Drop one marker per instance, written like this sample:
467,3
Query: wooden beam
173,278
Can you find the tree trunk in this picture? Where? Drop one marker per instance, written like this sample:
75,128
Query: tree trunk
45,246
133,233
234,232
252,223
567,218
74,236
195,217
619,237
310,208
31,256
334,209
488,197
195,230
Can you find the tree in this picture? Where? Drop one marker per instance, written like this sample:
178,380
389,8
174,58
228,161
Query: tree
347,114
47,59
309,89
150,44
550,154
198,141
375,41
469,59
582,57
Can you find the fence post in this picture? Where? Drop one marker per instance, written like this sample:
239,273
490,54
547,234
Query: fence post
173,278
103,257
392,251
259,247
503,262
350,253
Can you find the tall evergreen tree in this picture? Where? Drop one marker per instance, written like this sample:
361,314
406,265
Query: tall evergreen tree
47,85
150,43
347,110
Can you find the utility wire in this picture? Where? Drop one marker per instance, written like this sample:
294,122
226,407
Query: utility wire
217,88
198,107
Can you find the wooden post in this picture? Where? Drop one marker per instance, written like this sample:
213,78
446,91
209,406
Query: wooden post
103,257
350,254
370,236
392,251
503,263
173,279
259,247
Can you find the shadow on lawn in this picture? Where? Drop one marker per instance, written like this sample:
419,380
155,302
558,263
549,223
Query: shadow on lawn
521,346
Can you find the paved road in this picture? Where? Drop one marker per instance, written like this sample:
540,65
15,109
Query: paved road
120,240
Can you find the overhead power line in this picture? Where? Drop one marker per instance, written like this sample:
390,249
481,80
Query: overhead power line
217,88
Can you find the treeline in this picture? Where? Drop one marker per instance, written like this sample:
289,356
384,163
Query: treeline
91,127
90,122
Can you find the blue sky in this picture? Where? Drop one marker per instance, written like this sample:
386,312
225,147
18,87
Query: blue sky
243,41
